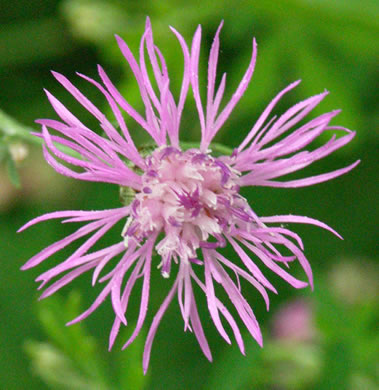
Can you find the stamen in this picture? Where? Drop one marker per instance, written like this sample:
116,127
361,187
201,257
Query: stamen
192,197
147,190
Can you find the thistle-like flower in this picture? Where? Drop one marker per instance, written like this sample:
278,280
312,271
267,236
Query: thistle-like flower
183,203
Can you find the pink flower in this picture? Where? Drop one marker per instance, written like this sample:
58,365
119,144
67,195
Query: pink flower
294,322
186,202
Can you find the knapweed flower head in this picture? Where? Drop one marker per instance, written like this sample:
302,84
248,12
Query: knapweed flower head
182,205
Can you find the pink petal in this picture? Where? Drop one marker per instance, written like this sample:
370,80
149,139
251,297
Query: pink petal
211,299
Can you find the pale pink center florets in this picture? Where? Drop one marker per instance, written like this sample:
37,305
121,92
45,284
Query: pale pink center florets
191,197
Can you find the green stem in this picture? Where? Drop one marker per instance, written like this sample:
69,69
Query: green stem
13,130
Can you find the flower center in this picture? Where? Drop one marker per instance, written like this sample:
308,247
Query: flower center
190,196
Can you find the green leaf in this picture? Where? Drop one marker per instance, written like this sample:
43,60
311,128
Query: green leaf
74,342
299,363
71,359
12,128
56,369
129,364
13,173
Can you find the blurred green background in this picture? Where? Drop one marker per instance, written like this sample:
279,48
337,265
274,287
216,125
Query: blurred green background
333,343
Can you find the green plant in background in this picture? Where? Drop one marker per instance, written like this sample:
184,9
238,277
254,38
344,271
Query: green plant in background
72,359
330,342
13,148
332,345
15,140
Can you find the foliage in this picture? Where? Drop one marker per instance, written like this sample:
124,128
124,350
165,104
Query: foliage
71,359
